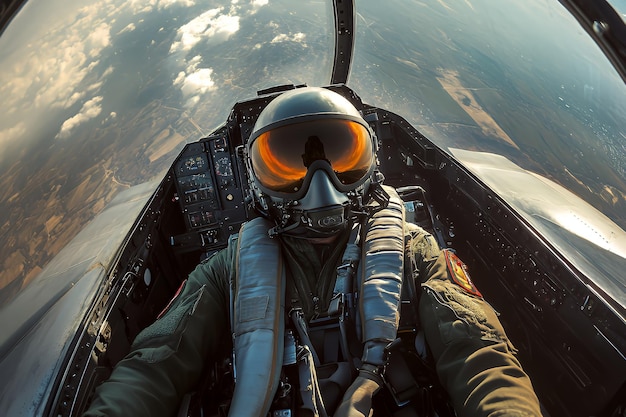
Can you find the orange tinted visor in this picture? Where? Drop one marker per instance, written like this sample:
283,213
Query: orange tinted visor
280,157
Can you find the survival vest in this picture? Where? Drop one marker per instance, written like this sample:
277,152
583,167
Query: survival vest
258,302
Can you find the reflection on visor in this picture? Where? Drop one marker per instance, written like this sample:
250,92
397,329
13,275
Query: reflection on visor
280,157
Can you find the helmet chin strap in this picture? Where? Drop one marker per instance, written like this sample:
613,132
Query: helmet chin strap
324,211
322,222
325,218
277,230
320,213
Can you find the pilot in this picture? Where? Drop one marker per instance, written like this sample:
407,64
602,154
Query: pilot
331,246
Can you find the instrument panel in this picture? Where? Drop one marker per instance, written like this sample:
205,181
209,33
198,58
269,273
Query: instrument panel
210,193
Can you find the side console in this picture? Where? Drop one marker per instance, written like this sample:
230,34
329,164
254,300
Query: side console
210,192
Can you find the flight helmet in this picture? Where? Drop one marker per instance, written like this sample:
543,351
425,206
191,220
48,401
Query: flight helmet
310,159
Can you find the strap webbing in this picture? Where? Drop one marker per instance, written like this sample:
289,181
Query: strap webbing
258,320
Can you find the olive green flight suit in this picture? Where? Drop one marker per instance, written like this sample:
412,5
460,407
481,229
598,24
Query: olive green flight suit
474,359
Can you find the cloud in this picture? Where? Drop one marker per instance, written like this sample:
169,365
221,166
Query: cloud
9,135
194,80
146,6
192,101
211,24
90,109
57,65
198,82
129,28
141,6
111,116
163,4
98,39
296,37
51,69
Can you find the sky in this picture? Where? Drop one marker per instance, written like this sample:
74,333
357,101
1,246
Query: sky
59,67
73,75
102,94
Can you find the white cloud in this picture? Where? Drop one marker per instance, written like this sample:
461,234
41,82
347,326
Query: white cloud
51,70
146,6
142,6
193,63
296,37
163,4
211,24
111,117
195,81
8,137
10,134
129,28
198,82
90,109
192,101
57,64
180,78
107,72
99,38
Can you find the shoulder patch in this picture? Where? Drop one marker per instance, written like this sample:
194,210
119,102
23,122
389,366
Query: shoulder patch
458,273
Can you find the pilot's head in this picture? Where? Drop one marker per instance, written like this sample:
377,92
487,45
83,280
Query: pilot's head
311,158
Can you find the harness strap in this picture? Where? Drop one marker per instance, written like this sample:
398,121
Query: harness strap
258,320
381,278
343,291
342,304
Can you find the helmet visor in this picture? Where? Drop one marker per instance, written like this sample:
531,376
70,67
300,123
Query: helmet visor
281,157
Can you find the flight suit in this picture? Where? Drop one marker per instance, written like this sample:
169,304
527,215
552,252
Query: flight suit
474,359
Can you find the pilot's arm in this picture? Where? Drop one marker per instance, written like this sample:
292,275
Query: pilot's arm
167,358
474,359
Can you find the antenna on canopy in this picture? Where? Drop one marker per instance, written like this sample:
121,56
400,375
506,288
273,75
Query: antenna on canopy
344,40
